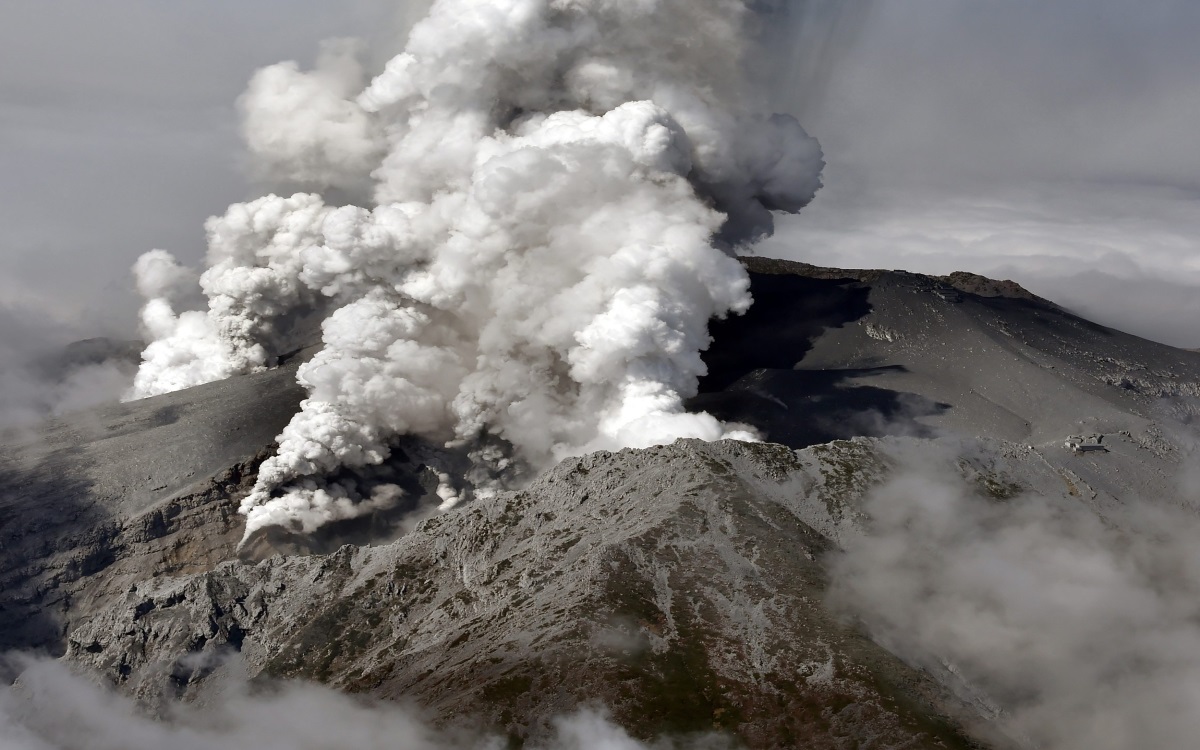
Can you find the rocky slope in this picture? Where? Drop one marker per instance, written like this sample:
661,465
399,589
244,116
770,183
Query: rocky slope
683,586
828,353
679,586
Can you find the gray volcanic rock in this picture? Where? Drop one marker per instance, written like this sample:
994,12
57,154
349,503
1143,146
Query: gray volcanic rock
678,585
96,501
94,490
683,586
832,354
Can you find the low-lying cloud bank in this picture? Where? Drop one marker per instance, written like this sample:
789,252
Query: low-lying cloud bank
1073,629
50,708
1124,257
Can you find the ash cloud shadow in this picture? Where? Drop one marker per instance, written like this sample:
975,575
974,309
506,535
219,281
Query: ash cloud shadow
799,408
752,377
790,312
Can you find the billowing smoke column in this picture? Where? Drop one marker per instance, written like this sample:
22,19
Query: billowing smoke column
557,187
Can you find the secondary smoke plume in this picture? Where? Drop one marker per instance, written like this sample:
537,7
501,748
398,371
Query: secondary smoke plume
557,187
52,709
1074,630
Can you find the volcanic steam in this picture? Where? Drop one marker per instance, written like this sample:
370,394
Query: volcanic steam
552,192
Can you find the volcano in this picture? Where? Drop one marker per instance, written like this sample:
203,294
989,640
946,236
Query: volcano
684,586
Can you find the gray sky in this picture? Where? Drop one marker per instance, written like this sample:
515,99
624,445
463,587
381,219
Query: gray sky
118,134
1053,141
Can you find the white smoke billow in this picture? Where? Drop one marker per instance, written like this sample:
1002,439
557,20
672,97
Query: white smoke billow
557,185
305,129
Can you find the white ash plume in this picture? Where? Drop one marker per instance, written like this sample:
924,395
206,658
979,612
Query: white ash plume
304,128
556,189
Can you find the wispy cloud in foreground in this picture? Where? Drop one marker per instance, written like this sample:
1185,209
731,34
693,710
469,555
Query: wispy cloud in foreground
50,708
1073,629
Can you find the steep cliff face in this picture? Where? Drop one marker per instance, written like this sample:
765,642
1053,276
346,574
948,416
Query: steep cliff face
683,586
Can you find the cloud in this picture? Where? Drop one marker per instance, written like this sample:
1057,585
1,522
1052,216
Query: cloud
304,129
50,708
45,371
1072,629
1123,257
